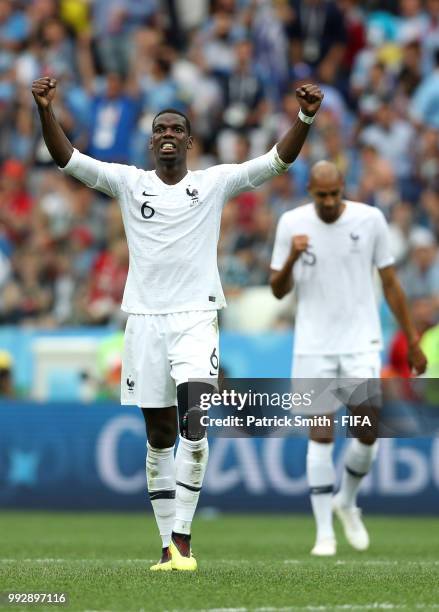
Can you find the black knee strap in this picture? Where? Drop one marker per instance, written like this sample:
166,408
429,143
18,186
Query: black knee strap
189,411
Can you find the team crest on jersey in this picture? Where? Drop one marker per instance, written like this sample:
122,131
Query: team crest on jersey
130,384
193,194
355,239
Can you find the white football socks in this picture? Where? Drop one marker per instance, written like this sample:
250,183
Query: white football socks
191,461
358,460
321,476
160,476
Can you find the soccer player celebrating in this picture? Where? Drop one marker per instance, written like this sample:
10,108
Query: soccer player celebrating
172,223
328,250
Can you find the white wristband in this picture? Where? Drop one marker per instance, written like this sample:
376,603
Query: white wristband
305,118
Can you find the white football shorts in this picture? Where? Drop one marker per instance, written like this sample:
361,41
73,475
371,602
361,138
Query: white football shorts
164,350
349,379
350,365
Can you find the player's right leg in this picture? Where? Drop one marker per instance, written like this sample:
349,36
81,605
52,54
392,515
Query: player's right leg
147,383
319,461
161,429
321,479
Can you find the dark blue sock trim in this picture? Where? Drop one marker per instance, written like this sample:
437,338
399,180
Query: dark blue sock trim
164,494
189,487
321,490
354,473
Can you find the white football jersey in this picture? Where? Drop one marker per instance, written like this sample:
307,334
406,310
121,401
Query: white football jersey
173,230
337,311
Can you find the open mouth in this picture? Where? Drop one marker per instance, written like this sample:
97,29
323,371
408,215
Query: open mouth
167,146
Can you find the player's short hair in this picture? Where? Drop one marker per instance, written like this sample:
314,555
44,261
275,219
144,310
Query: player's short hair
174,111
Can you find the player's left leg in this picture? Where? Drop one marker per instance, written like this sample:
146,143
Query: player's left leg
358,461
193,354
362,448
191,462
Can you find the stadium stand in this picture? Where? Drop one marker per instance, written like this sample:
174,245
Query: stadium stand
233,65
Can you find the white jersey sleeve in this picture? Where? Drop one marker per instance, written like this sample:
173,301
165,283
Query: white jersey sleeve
96,174
252,173
382,254
282,244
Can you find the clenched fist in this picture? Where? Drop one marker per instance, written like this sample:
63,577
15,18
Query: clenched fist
309,97
298,246
43,91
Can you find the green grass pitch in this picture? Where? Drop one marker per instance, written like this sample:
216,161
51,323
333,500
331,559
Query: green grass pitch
245,563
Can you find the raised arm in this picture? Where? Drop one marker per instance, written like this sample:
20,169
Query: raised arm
60,147
106,177
397,302
250,174
309,97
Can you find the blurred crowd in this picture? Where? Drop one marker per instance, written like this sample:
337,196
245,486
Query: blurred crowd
233,66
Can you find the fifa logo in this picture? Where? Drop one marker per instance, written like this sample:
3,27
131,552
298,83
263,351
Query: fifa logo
193,195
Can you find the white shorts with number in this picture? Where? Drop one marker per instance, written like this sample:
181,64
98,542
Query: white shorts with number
163,351
349,379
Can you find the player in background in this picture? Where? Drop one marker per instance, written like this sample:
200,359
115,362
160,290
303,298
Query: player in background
327,250
173,291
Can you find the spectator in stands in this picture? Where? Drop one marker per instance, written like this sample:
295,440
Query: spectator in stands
319,30
281,195
354,22
39,11
113,119
412,23
393,138
374,179
420,276
57,57
254,248
410,72
431,36
14,27
430,204
268,25
216,44
424,313
424,108
114,22
107,282
427,161
15,201
401,227
33,276
243,90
